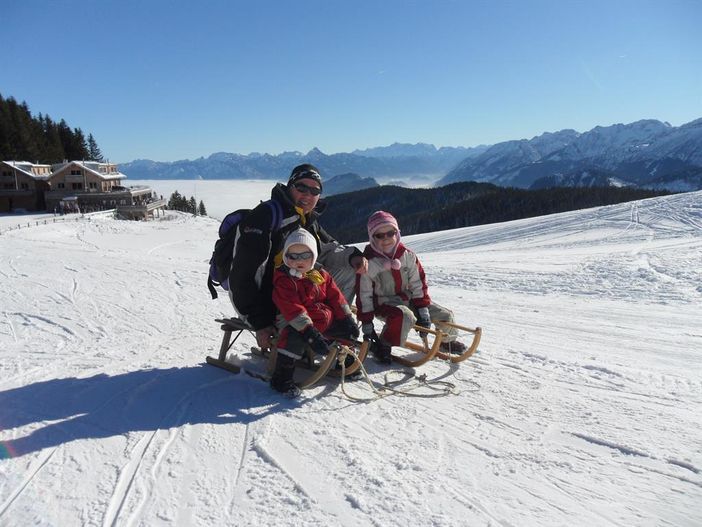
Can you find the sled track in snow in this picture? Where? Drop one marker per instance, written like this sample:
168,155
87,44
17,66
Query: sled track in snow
130,473
41,461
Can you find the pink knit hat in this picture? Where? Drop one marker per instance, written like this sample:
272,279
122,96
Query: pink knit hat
380,219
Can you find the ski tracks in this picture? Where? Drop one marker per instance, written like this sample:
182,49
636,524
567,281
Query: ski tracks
34,468
571,443
328,476
136,494
272,471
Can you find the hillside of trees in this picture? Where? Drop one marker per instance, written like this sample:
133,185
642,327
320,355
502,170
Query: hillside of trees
461,205
41,139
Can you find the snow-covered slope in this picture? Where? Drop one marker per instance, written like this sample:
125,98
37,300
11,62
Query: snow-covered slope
581,407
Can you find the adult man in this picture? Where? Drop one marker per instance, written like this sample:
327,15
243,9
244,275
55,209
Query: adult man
259,246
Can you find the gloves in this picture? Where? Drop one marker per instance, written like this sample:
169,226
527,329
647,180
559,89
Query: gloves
369,331
359,263
349,327
315,340
423,317
264,337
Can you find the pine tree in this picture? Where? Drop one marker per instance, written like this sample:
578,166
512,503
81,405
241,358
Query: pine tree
27,138
192,206
201,209
5,130
174,201
23,144
94,150
79,145
53,149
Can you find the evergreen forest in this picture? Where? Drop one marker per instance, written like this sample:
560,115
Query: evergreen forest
41,139
461,205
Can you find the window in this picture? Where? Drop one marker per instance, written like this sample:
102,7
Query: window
76,173
76,186
61,185
25,186
92,184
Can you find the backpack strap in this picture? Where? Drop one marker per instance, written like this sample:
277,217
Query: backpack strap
276,212
210,286
235,218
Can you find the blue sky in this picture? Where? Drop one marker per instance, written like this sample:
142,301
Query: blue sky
169,80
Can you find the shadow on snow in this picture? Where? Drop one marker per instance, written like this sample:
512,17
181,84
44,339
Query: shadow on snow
145,400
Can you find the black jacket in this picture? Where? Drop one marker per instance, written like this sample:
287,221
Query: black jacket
251,277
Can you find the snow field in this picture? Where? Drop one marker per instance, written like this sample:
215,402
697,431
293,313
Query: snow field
581,406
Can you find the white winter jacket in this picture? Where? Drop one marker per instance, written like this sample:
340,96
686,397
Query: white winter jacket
384,285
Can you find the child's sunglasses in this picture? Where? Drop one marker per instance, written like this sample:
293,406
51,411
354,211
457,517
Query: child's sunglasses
383,235
299,256
305,189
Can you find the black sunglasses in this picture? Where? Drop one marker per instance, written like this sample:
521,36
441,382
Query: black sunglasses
383,235
300,256
305,189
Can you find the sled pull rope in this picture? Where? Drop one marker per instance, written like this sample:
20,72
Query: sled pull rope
345,350
442,388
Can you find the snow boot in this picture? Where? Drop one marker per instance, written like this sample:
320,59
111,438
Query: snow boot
454,347
381,352
348,362
282,378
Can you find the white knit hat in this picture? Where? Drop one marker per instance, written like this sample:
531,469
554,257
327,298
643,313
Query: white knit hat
302,237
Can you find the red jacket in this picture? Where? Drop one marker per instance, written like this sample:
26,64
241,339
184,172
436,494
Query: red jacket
302,302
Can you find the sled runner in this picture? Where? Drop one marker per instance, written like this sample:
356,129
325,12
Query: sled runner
313,368
429,351
477,334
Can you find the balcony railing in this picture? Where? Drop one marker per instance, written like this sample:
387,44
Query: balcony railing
145,207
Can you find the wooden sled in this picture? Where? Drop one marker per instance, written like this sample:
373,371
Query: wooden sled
228,325
429,351
313,367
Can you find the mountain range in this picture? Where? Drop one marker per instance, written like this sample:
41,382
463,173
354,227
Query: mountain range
646,153
420,164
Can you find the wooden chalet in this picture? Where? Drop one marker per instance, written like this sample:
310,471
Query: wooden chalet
22,185
74,186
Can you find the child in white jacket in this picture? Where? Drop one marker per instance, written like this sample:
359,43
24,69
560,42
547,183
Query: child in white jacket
395,289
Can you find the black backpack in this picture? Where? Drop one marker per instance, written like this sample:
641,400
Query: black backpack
223,254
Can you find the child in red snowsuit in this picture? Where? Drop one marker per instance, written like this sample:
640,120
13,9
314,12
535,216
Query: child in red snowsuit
309,304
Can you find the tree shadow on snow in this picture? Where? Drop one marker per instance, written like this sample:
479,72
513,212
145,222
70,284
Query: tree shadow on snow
104,406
